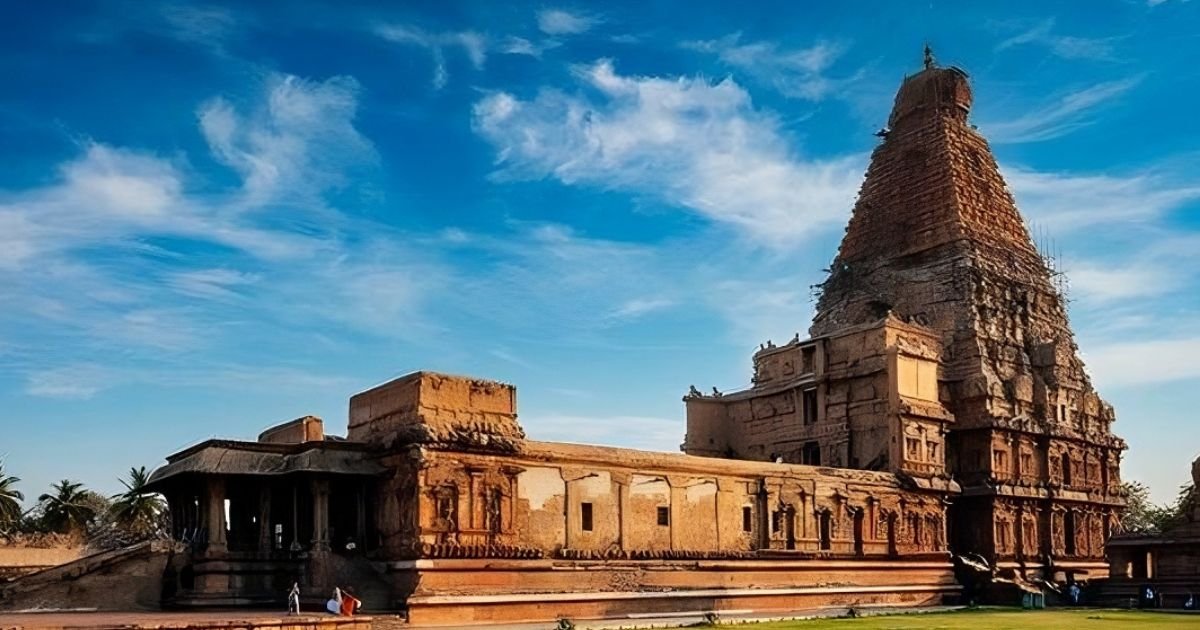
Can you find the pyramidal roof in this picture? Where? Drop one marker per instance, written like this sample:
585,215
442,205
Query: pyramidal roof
936,239
932,192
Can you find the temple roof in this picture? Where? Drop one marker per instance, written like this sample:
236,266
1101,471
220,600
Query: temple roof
230,457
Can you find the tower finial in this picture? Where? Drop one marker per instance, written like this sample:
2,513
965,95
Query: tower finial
928,56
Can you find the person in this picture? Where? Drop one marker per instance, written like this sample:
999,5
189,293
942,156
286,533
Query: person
334,605
350,605
1074,591
294,599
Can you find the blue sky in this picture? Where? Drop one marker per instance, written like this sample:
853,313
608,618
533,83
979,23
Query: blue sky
218,217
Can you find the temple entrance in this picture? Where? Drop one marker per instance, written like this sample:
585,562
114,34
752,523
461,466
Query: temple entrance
348,517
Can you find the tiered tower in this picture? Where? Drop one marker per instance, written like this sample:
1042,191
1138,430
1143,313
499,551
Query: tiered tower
936,240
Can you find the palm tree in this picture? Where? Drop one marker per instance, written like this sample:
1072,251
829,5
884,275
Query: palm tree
137,509
69,509
10,500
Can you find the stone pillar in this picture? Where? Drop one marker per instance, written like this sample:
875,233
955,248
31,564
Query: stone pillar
320,515
475,499
622,481
677,485
360,519
295,544
265,530
214,504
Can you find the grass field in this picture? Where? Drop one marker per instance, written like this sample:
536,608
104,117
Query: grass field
998,620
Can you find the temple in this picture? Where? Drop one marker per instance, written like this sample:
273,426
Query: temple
939,405
983,380
1166,563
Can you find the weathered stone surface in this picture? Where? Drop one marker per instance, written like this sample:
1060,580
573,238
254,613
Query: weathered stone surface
976,374
431,408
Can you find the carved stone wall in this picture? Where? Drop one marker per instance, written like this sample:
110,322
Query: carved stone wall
864,398
936,238
570,501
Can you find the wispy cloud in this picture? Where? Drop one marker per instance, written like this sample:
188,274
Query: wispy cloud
795,73
200,24
299,142
1071,200
86,380
1067,113
470,43
1131,363
683,141
507,356
513,45
1065,46
761,310
637,307
562,22
129,255
642,432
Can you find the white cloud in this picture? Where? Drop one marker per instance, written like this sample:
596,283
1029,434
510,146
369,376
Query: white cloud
507,355
198,24
794,73
760,310
1065,46
1066,200
1102,284
472,44
298,143
1143,362
640,432
1066,114
685,142
73,382
637,307
560,22
85,380
217,283
132,259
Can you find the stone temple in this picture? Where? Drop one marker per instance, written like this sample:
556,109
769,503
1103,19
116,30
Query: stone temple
939,406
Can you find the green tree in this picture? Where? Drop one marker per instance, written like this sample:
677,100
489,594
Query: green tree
1141,516
69,509
10,501
137,510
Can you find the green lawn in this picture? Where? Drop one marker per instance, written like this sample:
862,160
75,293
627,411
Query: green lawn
997,620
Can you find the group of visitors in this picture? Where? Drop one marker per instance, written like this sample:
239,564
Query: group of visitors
342,603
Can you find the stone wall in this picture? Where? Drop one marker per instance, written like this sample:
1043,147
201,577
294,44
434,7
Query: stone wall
572,501
865,398
431,408
18,561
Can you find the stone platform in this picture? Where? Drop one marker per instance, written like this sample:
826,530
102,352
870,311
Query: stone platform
465,592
